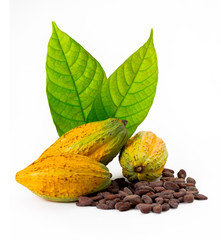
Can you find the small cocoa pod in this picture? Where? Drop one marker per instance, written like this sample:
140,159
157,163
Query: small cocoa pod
143,157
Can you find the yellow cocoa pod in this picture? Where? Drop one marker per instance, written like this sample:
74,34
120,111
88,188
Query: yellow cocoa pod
143,157
100,140
64,178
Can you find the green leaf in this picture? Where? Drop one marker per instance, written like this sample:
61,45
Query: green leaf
74,79
129,92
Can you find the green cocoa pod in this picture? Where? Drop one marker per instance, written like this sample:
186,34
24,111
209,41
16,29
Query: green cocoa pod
100,140
143,157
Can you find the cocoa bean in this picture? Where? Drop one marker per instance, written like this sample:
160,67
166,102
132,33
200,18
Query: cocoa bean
190,180
96,198
144,208
140,184
159,189
122,206
167,174
122,194
121,182
102,201
156,184
181,199
190,184
85,201
165,207
166,192
133,199
102,206
173,203
181,174
159,200
112,196
189,198
168,170
191,189
167,196
147,199
179,194
200,197
157,208
171,186
128,191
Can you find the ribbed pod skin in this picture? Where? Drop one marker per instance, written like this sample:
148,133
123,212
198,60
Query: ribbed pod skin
100,140
64,178
143,157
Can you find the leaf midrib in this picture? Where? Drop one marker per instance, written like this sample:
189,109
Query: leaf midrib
78,96
115,112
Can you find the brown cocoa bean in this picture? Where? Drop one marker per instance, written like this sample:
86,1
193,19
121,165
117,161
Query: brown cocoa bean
166,192
167,196
159,200
102,201
112,196
165,207
156,184
173,203
167,174
144,208
122,206
190,184
190,180
96,198
122,194
189,198
128,191
199,196
85,201
171,186
102,206
159,189
133,199
141,184
103,194
147,199
181,174
179,194
157,208
168,170
121,182
191,189
181,199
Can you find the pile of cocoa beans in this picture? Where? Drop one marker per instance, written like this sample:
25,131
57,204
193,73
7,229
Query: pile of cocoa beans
158,196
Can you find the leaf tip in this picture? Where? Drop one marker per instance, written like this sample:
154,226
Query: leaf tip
54,25
151,33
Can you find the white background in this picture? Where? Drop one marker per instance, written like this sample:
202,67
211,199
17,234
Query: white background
185,113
